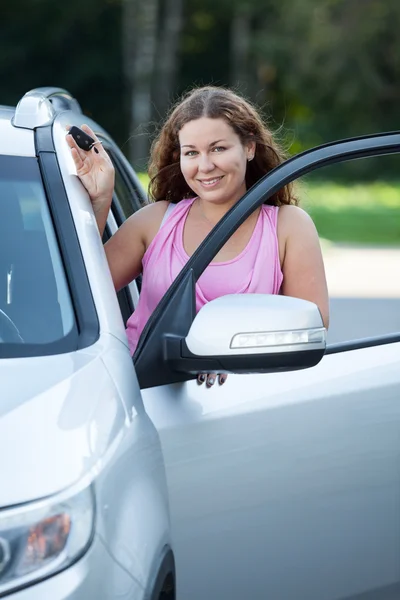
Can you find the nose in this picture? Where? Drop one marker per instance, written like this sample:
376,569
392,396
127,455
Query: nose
205,164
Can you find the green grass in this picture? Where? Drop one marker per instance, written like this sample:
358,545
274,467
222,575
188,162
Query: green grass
354,213
359,214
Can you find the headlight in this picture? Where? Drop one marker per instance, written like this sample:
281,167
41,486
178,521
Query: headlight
41,538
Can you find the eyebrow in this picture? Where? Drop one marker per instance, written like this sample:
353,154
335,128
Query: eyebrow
212,144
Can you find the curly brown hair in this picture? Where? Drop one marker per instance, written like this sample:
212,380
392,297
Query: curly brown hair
166,179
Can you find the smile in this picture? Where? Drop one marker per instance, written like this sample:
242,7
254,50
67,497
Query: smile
210,182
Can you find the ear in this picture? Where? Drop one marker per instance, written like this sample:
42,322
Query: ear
250,149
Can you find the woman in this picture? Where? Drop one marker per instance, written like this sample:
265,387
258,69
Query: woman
211,149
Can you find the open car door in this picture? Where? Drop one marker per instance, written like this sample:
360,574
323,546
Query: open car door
284,483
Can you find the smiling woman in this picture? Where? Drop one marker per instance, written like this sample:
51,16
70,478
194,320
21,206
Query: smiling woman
212,148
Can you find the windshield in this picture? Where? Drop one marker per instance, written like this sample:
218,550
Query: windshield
35,304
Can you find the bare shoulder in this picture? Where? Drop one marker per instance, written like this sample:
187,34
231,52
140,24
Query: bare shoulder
151,212
301,259
151,217
293,218
147,220
295,226
141,226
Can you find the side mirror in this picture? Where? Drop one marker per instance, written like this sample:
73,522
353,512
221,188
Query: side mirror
250,333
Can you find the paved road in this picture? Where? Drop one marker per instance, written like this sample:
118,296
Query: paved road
364,288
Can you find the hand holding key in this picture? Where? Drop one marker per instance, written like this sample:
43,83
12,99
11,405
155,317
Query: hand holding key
93,165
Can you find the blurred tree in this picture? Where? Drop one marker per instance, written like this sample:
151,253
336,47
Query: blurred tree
240,40
75,45
205,48
140,20
336,65
151,42
324,69
167,62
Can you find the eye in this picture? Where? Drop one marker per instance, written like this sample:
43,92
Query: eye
190,153
219,149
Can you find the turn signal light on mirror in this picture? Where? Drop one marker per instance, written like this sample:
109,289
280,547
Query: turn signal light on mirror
278,338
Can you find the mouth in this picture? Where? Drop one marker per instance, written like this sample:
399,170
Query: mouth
209,183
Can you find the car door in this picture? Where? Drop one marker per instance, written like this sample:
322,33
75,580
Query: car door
282,485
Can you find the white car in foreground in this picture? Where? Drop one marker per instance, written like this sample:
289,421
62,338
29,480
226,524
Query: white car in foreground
125,479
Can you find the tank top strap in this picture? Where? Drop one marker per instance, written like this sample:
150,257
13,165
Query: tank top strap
171,207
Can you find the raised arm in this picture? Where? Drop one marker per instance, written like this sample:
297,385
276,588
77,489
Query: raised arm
125,249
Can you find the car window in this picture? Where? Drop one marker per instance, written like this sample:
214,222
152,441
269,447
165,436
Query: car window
356,208
35,304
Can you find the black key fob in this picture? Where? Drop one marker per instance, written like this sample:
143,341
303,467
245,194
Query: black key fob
84,141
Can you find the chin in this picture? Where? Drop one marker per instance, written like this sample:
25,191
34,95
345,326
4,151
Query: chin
217,195
214,197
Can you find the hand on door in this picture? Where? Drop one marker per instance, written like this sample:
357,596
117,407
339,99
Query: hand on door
210,378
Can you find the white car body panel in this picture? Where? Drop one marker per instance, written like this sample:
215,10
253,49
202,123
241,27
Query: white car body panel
74,419
273,474
68,417
15,141
73,425
133,511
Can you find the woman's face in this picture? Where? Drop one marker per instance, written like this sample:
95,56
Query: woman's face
213,160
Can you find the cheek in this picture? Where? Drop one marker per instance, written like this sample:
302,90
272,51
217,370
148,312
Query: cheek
237,168
233,162
188,169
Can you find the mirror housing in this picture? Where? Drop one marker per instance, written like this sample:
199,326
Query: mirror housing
250,333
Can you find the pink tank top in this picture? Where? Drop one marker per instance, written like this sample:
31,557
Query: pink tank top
256,270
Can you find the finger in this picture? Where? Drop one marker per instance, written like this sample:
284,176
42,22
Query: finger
222,377
210,380
201,378
90,131
70,141
77,159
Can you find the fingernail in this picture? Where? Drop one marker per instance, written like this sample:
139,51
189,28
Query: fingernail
210,381
95,149
201,378
222,380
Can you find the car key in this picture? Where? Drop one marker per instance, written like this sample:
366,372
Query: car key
83,139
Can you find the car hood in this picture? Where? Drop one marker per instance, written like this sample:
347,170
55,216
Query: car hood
58,417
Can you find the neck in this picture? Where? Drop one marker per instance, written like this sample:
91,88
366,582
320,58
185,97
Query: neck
214,212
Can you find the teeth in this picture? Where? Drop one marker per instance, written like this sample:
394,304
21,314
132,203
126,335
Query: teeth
211,182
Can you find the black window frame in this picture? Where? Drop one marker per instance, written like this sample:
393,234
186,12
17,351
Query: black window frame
124,297
129,178
139,199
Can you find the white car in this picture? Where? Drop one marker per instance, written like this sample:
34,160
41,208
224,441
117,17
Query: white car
123,478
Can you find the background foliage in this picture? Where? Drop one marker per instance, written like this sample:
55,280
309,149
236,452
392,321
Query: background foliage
324,70
319,71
